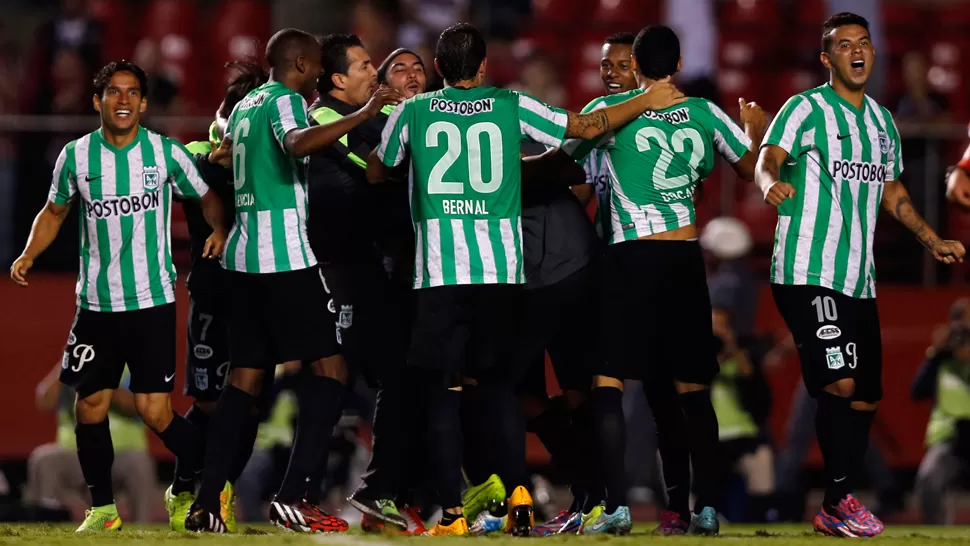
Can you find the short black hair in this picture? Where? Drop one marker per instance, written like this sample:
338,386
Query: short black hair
657,51
284,43
333,49
624,38
840,20
249,76
460,52
103,78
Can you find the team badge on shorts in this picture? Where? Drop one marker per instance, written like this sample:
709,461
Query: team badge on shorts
346,317
202,380
834,357
150,177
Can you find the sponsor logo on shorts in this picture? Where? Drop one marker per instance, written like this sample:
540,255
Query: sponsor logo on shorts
202,352
834,357
202,379
71,338
83,354
346,317
828,332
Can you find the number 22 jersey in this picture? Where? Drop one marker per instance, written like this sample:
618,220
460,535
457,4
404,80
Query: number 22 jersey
465,181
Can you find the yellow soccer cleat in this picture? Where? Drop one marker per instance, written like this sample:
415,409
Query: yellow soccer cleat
178,508
101,518
459,527
476,498
521,517
227,507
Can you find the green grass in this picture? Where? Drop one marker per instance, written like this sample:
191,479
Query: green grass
260,535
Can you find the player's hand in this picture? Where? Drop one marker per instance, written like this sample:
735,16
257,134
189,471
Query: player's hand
778,192
19,269
663,95
214,244
947,251
384,96
752,114
223,154
958,188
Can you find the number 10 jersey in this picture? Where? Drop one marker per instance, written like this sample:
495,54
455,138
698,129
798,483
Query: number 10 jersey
465,180
655,162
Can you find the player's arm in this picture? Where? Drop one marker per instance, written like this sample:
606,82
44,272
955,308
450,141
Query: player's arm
48,392
958,181
755,122
188,184
51,217
597,122
781,139
303,141
896,201
391,152
767,175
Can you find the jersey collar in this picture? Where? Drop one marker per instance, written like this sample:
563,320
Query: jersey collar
827,88
127,147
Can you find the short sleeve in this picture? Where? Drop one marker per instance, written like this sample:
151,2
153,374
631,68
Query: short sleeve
288,112
579,149
895,156
729,140
790,122
63,180
186,181
540,122
395,137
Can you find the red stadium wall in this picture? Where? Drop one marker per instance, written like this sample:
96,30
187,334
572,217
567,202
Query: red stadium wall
34,326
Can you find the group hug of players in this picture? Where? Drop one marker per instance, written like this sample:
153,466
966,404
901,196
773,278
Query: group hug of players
436,245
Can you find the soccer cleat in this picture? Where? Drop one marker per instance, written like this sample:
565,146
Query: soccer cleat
100,518
831,525
671,524
178,508
598,522
705,523
486,523
572,525
552,526
857,517
415,522
304,517
459,527
383,510
227,507
590,517
521,514
476,498
200,520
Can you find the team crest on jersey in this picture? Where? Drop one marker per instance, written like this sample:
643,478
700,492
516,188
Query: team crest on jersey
834,357
883,142
150,177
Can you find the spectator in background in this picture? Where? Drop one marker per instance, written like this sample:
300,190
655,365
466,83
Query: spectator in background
733,285
694,22
540,79
54,475
9,76
945,378
163,88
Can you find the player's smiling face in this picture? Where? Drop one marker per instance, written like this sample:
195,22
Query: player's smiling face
616,68
360,81
851,56
122,103
406,75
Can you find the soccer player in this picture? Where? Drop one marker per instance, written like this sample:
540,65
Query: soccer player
278,297
207,354
124,176
958,181
655,293
466,206
830,158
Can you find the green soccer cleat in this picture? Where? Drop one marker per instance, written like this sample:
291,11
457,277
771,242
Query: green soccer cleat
705,523
100,518
476,498
227,507
178,507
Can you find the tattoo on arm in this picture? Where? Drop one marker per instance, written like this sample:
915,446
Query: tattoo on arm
578,124
907,215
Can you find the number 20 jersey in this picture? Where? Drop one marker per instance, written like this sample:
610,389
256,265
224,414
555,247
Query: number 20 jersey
655,162
465,182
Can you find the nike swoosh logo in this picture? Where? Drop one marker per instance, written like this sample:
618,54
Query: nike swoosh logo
598,525
90,178
109,523
843,137
169,377
839,480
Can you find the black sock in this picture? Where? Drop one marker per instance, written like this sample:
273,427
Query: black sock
673,443
447,518
185,477
834,441
181,438
861,424
588,487
554,429
319,410
96,454
390,445
444,442
506,431
475,451
609,423
225,428
704,446
247,439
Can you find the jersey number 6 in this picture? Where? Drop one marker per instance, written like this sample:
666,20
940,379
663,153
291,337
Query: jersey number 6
436,183
676,144
239,154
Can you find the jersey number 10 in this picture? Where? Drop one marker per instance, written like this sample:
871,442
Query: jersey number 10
453,138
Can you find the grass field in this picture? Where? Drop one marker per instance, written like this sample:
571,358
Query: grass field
266,535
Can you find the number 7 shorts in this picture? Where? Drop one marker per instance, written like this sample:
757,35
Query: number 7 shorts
837,337
207,348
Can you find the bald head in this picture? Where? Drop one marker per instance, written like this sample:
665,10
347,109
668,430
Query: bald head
293,57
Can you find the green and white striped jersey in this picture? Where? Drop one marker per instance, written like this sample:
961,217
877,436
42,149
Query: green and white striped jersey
656,161
270,233
126,199
598,175
466,201
839,158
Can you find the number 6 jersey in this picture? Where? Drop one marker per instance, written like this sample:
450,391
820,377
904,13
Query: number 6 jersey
655,162
466,179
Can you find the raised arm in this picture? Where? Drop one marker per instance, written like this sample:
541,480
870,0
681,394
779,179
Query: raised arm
767,175
755,123
958,181
896,201
302,142
46,225
593,124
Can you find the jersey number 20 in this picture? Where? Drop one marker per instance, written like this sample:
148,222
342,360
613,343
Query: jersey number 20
453,138
676,144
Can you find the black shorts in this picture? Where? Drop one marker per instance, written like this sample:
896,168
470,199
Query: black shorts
656,313
100,344
280,317
556,319
837,337
468,330
207,350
